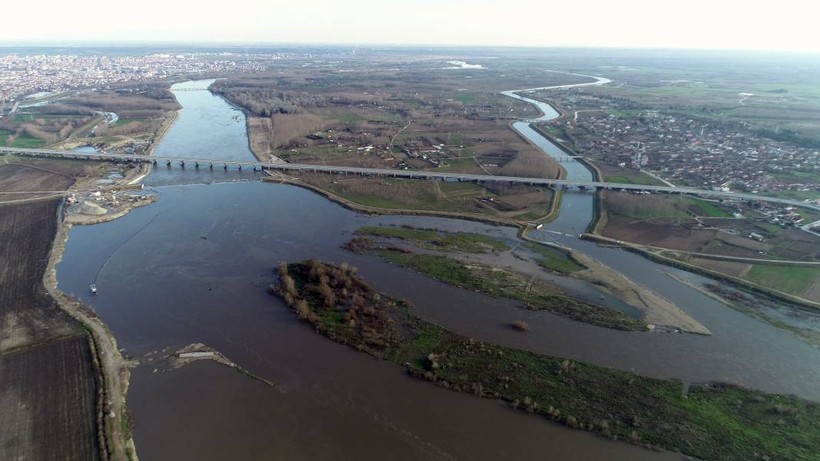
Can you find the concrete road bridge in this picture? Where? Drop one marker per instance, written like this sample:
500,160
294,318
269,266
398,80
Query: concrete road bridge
193,162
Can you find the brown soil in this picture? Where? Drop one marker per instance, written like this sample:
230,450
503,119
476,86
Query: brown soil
712,236
319,124
67,381
666,233
48,399
736,269
48,388
22,178
27,314
813,292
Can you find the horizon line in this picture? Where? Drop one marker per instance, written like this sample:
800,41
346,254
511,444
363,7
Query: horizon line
262,44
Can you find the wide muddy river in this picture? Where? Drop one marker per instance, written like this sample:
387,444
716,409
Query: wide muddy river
195,266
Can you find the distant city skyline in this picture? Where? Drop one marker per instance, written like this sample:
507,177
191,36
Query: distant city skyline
697,24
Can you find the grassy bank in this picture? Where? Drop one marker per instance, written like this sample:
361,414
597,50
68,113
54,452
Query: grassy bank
505,283
793,280
718,422
758,306
439,240
554,260
740,282
496,202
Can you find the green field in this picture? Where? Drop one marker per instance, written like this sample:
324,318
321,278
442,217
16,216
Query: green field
347,116
709,209
443,196
458,164
27,142
19,117
466,98
788,112
636,178
125,121
377,202
662,206
460,189
554,260
794,280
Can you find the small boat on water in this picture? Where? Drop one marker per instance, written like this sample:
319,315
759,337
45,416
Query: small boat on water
93,289
538,227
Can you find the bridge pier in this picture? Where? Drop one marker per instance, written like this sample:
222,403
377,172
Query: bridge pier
554,183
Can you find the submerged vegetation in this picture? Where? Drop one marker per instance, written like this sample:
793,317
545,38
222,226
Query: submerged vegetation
438,240
506,283
494,281
714,421
555,260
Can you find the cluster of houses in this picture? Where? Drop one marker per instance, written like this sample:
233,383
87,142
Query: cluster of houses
42,74
423,149
692,152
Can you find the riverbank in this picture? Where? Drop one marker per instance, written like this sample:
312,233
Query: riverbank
657,310
453,258
280,178
733,300
77,217
706,421
562,172
482,264
656,257
163,131
600,219
112,367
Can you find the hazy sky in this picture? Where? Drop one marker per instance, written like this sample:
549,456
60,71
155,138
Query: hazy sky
734,24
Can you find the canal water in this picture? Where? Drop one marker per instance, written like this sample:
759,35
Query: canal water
194,267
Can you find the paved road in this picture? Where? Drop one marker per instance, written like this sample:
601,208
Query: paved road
191,162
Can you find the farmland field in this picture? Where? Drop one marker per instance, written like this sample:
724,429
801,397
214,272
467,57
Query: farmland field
48,402
795,280
48,389
27,314
496,202
413,118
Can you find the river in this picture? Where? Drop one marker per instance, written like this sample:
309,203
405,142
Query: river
194,267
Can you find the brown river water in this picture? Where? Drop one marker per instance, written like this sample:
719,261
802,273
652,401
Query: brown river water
194,267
